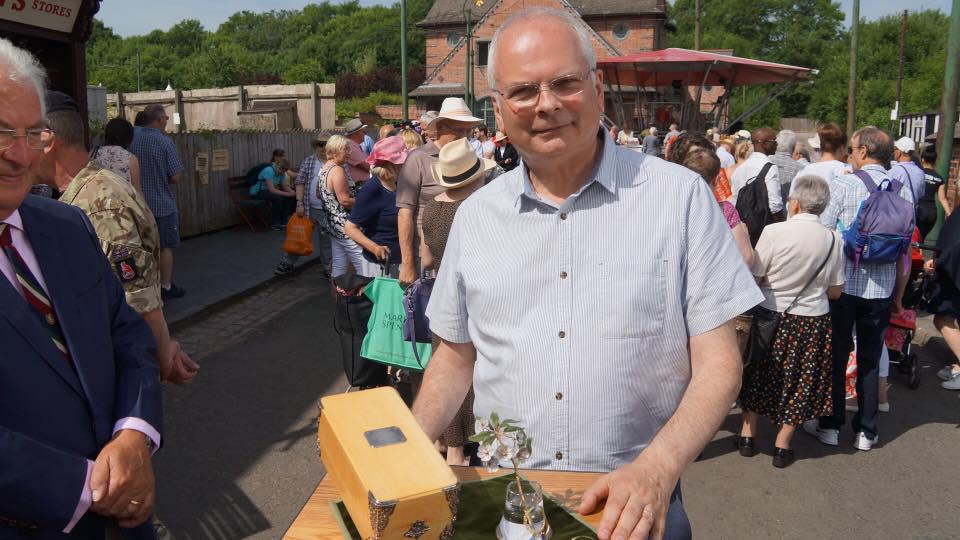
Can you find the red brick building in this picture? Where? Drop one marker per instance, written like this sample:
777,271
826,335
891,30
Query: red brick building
616,27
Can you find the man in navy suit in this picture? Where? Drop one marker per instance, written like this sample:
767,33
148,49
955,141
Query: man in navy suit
80,412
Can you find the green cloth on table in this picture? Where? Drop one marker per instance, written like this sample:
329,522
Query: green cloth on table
481,507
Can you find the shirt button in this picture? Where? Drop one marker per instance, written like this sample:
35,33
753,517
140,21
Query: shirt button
562,334
559,456
559,396
563,215
563,275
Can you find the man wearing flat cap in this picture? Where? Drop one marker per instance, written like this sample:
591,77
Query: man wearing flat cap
355,130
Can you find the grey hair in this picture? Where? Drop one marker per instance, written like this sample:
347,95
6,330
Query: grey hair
813,194
22,68
878,142
786,141
538,13
68,128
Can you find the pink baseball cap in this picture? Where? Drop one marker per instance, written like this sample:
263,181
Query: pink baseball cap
392,150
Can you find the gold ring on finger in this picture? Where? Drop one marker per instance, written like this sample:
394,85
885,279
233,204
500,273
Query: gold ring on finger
647,512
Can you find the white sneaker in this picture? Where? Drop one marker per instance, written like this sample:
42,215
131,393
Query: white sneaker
947,373
826,436
953,383
883,407
862,442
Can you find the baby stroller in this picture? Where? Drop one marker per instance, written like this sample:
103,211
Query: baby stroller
899,336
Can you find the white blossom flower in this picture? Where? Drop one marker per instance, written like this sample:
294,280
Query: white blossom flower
481,425
505,453
485,452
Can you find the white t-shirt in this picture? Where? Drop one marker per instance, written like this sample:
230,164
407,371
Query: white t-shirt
788,253
488,148
726,158
828,170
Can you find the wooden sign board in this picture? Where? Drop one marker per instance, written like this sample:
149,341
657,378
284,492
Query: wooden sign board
221,160
203,167
57,15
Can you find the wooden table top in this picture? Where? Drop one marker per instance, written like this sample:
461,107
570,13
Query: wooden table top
316,519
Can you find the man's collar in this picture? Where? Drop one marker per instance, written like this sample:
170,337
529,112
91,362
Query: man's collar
14,220
874,166
806,216
602,172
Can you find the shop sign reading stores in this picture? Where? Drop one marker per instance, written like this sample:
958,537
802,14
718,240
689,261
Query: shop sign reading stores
57,15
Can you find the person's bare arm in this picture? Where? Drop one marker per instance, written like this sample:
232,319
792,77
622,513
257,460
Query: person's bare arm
903,277
834,291
445,384
638,494
337,182
135,174
298,192
742,238
405,227
175,179
354,233
158,325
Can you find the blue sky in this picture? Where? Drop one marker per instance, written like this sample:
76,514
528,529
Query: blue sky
131,17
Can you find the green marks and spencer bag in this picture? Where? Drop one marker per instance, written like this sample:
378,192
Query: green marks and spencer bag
384,340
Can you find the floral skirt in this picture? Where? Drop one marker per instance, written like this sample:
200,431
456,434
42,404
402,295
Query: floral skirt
793,384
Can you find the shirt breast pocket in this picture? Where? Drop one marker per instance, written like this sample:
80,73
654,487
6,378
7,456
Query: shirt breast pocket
632,298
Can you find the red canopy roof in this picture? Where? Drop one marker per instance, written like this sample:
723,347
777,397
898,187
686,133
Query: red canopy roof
662,68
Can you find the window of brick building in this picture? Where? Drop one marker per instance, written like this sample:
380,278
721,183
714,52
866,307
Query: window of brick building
483,52
452,39
620,30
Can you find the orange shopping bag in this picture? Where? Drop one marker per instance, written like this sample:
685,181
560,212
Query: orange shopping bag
299,239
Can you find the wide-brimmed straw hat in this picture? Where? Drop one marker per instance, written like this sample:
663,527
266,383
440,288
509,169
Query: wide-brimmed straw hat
389,150
499,137
455,108
814,142
354,126
459,165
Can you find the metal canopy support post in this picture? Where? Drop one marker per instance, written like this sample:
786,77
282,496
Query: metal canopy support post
951,81
772,95
615,100
403,60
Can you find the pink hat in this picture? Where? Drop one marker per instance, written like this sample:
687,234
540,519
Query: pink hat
392,150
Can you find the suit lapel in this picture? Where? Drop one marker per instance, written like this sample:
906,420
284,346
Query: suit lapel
51,257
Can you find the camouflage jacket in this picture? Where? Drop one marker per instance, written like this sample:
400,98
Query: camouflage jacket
126,229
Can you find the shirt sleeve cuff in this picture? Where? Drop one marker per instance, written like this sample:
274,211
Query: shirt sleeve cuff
142,426
86,499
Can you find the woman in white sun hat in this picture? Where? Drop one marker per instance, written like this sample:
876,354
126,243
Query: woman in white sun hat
461,172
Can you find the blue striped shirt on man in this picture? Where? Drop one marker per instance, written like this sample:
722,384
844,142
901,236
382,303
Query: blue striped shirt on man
581,312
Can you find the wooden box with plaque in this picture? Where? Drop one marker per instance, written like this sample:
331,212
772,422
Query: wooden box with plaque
391,479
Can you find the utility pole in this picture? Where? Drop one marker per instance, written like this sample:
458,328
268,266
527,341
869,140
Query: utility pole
403,58
138,70
903,38
696,26
852,84
468,81
948,110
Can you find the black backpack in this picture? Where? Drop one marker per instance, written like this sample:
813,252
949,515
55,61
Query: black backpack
753,205
253,175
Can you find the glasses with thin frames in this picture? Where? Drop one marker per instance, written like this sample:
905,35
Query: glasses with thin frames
34,136
527,95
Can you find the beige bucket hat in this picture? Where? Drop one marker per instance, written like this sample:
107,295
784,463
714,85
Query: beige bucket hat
459,165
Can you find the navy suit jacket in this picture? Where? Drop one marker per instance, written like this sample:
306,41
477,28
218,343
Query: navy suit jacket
53,417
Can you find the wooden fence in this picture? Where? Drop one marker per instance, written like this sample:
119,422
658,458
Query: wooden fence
205,206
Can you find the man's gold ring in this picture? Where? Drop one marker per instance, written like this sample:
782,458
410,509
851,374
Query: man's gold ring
647,511
134,501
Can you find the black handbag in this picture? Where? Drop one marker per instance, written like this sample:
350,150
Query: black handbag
765,321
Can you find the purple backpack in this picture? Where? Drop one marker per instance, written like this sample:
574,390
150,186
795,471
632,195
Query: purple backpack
416,327
883,228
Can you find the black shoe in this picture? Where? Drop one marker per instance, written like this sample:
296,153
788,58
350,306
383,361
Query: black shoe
283,269
746,446
175,291
782,457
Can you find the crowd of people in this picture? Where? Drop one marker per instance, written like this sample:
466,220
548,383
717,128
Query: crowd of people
759,276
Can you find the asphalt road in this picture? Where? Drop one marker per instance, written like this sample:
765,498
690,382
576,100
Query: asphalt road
240,454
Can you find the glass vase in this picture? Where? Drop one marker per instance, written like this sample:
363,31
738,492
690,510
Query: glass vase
523,514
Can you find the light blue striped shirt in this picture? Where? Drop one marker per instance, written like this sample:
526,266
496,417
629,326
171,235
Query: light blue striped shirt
581,312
